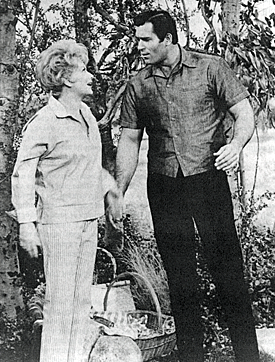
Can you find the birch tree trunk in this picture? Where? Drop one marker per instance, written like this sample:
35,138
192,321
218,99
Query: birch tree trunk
10,296
230,26
231,16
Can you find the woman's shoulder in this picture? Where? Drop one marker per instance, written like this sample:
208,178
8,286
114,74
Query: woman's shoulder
41,120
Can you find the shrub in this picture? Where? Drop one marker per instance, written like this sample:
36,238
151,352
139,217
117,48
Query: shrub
258,245
15,336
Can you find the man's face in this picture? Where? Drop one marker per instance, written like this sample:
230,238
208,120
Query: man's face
151,49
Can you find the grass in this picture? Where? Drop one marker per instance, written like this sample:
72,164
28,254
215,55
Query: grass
144,259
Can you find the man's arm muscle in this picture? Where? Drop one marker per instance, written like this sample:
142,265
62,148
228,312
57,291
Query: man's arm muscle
228,155
127,156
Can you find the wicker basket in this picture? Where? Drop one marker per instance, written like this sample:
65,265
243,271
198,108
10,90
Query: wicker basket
162,343
120,299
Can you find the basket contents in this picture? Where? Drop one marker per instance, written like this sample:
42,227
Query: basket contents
153,332
136,324
141,323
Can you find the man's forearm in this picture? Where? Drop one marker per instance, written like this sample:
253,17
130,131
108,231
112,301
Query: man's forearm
244,124
127,158
126,165
227,157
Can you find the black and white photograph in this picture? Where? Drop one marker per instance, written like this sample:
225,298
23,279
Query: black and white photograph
137,181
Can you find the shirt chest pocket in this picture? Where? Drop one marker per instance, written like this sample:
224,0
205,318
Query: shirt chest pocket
194,101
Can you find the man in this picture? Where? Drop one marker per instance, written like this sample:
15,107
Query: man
179,98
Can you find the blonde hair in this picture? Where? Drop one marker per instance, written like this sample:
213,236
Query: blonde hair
57,63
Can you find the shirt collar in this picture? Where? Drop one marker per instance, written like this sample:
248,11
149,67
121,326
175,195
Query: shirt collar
187,59
60,111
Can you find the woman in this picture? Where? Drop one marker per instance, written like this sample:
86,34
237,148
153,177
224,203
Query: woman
58,188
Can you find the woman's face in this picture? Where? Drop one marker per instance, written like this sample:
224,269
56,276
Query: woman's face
81,80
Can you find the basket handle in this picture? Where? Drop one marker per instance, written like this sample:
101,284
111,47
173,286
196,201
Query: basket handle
113,260
146,282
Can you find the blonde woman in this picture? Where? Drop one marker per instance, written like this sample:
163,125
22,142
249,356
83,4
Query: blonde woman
58,188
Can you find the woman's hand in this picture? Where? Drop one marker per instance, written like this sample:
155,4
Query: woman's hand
29,239
114,207
114,224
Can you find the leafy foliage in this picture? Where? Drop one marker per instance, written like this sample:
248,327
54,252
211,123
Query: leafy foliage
253,62
258,245
250,54
15,336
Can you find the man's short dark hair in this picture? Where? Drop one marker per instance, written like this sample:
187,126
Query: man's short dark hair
162,21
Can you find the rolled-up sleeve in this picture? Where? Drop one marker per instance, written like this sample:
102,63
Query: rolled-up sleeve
33,146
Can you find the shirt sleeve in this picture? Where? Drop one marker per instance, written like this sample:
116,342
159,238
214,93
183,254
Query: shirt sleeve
33,146
129,114
227,86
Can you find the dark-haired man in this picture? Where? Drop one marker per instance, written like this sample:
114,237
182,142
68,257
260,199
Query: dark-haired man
179,98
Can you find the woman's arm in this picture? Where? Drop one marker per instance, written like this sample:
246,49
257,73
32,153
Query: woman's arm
23,185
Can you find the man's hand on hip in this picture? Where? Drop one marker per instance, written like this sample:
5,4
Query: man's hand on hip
228,157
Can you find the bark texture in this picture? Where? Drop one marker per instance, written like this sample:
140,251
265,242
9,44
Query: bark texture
231,16
10,296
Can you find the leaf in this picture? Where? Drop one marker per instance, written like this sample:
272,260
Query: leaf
228,56
253,61
241,53
246,80
263,82
257,60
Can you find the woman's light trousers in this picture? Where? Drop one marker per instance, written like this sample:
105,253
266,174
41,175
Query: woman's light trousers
69,251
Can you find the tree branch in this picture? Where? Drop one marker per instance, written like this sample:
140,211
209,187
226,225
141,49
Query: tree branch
37,5
119,27
210,24
28,25
186,23
106,53
106,118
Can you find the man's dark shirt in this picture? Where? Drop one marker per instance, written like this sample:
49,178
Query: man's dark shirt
182,113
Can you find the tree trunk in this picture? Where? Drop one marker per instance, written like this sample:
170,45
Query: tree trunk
10,296
230,26
231,16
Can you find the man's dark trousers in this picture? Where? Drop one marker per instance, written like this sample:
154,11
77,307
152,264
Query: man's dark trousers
206,199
